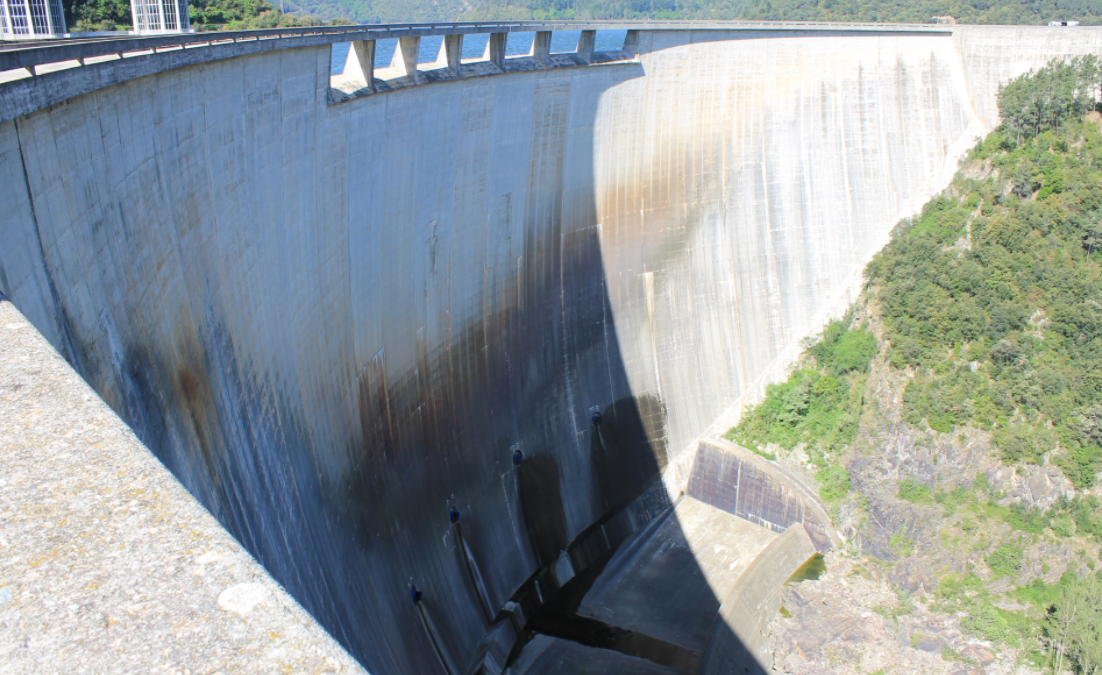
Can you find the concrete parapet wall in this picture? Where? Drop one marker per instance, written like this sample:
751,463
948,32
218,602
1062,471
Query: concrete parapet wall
992,55
740,640
107,564
743,484
335,322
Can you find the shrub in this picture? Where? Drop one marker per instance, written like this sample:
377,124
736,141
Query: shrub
1005,561
1024,442
841,351
1063,525
981,485
915,492
988,623
834,483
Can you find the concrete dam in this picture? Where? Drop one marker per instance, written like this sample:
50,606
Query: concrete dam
466,330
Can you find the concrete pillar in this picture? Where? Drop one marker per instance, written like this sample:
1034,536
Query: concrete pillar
586,44
451,53
495,49
360,64
541,47
405,57
631,42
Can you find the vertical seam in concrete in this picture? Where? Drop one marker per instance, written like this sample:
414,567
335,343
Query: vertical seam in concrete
648,287
966,76
738,486
735,290
567,380
62,324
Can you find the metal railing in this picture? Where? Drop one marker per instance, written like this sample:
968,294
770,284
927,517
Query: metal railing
14,56
37,75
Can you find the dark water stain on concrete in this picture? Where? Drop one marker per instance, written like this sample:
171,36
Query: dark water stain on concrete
628,448
559,618
541,500
343,507
196,398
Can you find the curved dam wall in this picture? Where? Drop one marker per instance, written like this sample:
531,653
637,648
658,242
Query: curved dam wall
335,322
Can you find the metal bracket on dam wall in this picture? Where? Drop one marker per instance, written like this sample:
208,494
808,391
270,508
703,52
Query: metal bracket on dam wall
350,304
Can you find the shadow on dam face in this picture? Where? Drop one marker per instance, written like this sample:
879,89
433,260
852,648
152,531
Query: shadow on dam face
338,322
338,473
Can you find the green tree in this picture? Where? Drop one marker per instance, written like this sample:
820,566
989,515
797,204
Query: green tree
834,482
1042,100
1074,625
1092,235
1024,442
1006,560
97,15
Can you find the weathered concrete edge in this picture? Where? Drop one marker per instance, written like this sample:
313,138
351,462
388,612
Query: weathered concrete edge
740,638
106,561
782,475
343,89
22,97
676,476
779,481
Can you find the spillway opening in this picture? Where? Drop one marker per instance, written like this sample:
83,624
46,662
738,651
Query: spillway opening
371,66
384,53
571,41
428,53
474,46
519,44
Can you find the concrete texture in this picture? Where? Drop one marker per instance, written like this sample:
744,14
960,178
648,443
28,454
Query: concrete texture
333,322
666,582
740,640
552,656
743,484
107,564
353,82
991,55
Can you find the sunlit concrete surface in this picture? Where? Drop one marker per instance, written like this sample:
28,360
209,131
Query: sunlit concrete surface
741,633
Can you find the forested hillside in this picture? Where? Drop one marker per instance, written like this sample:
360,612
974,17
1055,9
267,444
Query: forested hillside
954,418
894,11
109,15
86,15
916,11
